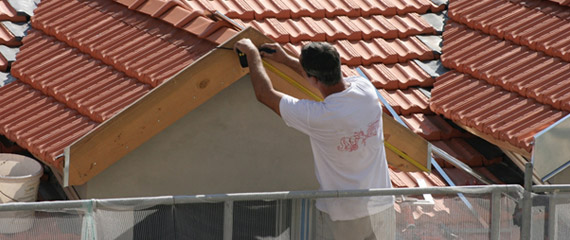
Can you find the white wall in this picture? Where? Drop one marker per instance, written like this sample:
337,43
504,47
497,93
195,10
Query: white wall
231,143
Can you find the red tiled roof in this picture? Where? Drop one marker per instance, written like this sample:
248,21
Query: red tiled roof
8,13
81,69
410,179
84,61
431,127
511,70
11,25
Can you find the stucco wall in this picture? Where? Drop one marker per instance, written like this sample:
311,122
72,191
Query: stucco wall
231,143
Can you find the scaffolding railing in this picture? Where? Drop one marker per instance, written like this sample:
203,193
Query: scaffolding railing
503,212
234,216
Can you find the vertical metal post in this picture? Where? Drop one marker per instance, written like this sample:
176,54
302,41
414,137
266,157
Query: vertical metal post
527,203
495,215
88,230
228,219
552,217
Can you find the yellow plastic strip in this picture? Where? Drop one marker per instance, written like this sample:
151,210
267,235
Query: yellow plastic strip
291,81
405,156
316,97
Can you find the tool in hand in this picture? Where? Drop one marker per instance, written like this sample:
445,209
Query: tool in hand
243,57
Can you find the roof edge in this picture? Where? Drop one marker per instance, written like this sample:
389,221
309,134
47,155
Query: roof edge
128,129
499,143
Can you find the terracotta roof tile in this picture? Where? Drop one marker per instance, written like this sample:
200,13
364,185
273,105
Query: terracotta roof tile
8,13
234,8
179,16
205,6
431,127
39,123
407,101
410,179
341,7
342,28
7,38
379,50
504,115
538,28
463,179
397,76
372,7
548,7
4,64
461,150
562,2
510,66
407,6
99,40
73,78
269,8
348,71
284,9
79,70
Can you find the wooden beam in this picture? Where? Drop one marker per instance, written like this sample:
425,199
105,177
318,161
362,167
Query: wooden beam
520,161
69,191
405,141
158,109
501,144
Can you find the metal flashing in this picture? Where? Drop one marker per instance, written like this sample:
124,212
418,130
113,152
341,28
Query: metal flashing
24,6
556,171
6,78
431,41
437,20
17,29
440,2
9,52
432,67
551,154
426,92
66,166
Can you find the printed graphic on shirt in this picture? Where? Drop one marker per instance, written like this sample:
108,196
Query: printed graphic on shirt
349,144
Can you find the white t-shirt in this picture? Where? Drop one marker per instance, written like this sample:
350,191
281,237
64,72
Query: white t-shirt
347,142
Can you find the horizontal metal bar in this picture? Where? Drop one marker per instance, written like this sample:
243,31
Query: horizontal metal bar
551,188
460,165
349,193
169,200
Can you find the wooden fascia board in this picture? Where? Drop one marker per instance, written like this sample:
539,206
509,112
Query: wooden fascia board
499,143
158,109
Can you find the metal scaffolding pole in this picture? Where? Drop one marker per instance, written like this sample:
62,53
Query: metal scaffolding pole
495,215
228,219
527,203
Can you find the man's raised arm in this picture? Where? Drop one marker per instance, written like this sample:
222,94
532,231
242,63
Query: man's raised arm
262,86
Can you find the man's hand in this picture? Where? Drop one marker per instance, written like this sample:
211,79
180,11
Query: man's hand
262,86
279,55
247,47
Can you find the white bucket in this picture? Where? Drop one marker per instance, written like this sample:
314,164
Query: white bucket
19,182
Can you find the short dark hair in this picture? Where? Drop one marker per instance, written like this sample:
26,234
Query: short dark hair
322,61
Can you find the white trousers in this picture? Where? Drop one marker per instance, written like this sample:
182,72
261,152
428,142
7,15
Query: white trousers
380,226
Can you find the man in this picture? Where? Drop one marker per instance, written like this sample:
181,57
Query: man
346,137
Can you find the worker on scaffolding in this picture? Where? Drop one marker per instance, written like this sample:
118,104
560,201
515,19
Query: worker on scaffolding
346,137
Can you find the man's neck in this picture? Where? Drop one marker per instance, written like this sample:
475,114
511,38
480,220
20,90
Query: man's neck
328,90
